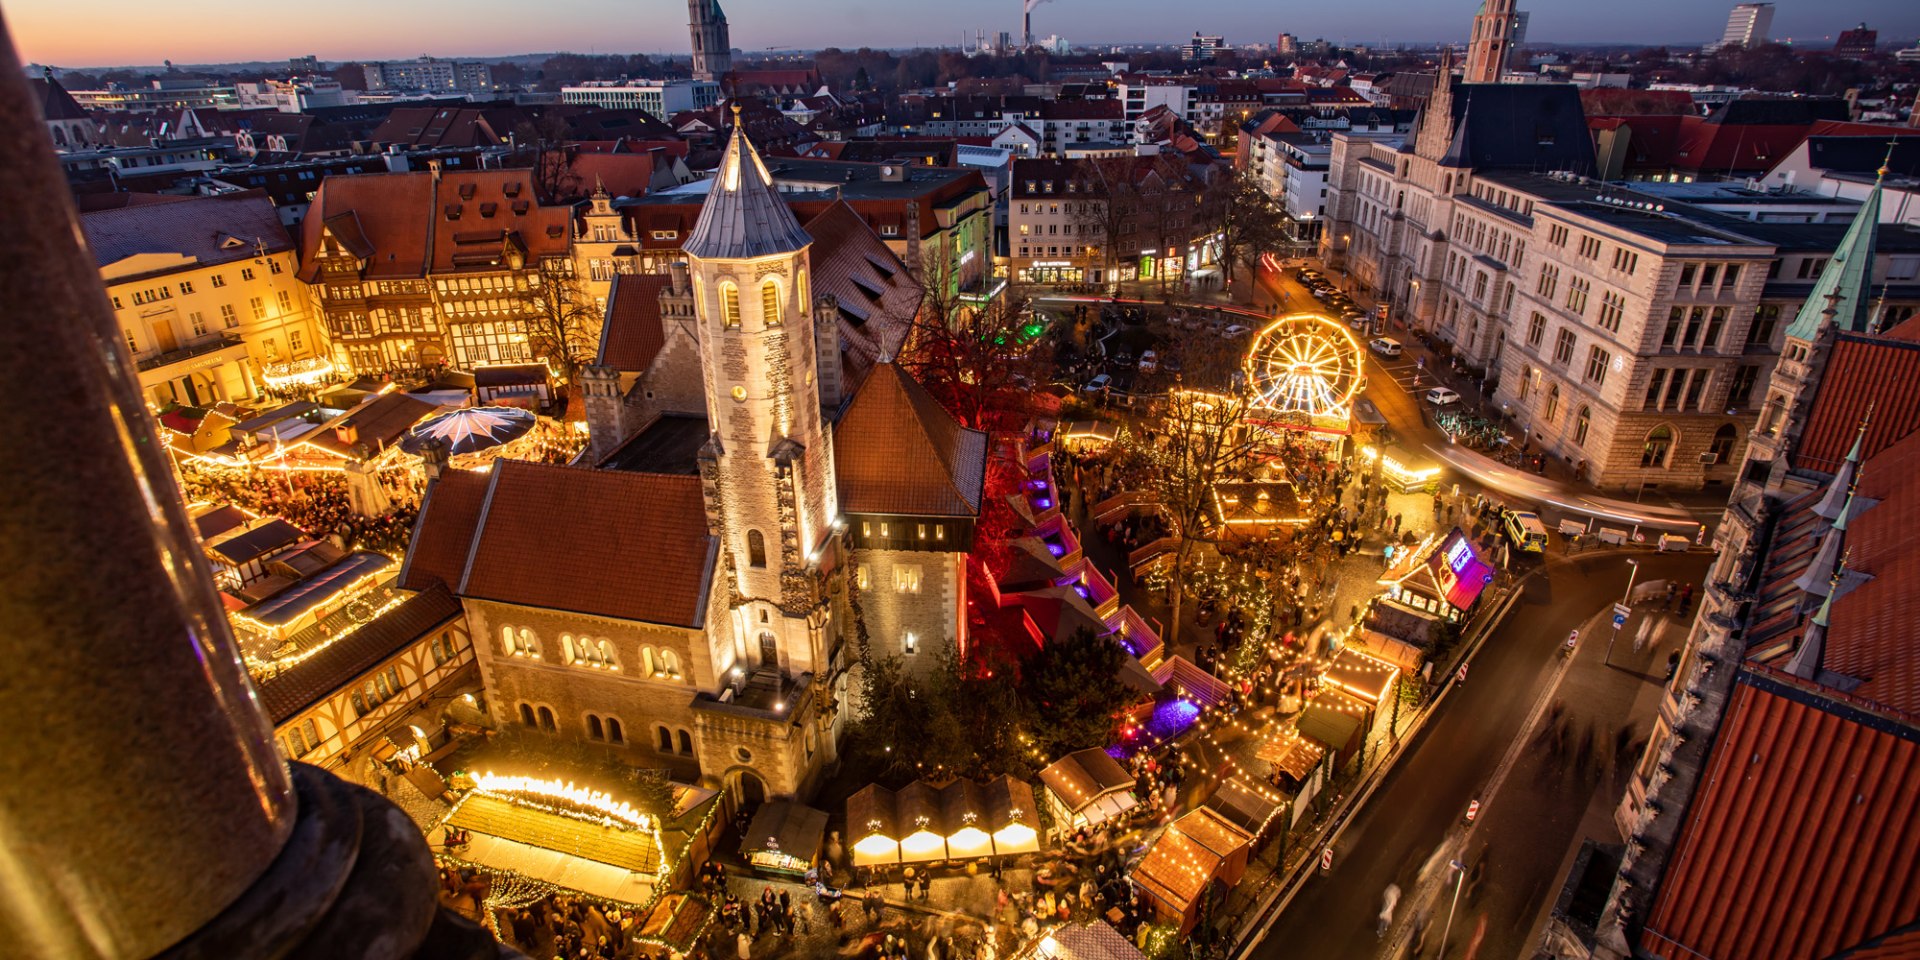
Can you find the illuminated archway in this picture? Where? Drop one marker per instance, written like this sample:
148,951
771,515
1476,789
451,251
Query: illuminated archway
1303,371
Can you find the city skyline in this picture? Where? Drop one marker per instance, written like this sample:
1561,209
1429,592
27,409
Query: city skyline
51,33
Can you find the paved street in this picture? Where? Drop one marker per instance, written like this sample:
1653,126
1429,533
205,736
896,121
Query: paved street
1538,813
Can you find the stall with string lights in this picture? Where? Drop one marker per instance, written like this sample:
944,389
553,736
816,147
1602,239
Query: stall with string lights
960,820
1087,788
784,838
1184,863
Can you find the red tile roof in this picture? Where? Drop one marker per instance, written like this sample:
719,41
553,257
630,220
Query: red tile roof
472,215
444,533
1803,839
632,336
896,451
1882,372
877,297
1874,635
630,546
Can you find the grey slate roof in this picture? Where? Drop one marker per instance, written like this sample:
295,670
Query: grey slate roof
212,230
1520,126
744,215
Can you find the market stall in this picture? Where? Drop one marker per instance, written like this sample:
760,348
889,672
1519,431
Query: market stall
1402,472
1086,788
870,823
1177,872
1250,806
784,838
962,820
1093,940
559,834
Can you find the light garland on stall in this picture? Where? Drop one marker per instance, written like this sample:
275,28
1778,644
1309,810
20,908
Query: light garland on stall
517,790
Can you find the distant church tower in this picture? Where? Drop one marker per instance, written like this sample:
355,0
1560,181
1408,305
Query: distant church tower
768,464
712,51
1494,30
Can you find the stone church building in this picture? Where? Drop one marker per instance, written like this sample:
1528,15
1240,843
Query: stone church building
681,594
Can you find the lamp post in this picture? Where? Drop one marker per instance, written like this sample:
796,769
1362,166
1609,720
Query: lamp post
1459,873
1626,600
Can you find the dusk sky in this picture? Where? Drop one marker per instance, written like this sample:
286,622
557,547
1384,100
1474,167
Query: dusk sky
111,32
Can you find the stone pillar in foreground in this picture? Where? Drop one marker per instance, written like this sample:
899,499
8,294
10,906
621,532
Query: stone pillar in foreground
143,809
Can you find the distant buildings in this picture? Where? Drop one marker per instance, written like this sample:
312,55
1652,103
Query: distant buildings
430,74
1747,26
293,95
1859,43
1202,49
162,94
662,98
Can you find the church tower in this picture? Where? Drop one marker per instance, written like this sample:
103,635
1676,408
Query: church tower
712,50
1494,31
1841,302
768,464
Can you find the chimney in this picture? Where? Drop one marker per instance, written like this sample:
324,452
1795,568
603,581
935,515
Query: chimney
600,388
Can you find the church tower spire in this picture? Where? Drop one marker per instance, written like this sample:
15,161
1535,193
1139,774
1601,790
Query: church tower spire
1843,296
1494,32
712,50
768,464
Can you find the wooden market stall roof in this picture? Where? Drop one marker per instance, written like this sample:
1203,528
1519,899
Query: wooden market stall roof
786,826
1177,870
1247,805
1360,674
1332,717
675,921
1188,679
618,865
1083,776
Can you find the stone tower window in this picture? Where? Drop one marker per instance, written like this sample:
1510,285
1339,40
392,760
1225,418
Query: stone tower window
770,303
730,306
756,549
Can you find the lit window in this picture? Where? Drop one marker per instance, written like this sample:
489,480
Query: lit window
730,305
906,578
770,303
911,643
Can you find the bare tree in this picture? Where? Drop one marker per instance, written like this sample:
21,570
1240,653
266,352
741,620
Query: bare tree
981,360
1202,441
1249,222
563,321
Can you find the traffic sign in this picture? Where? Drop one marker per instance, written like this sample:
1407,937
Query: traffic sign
1326,859
1461,674
1473,810
1619,619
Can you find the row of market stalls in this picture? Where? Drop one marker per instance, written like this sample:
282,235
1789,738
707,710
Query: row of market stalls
960,820
538,837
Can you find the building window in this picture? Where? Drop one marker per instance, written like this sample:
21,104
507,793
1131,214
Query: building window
1766,318
273,266
246,273
259,305
1613,306
186,287
1597,360
1581,421
906,578
1654,385
1553,403
1812,267
730,306
770,303
1658,447
546,720
526,715
519,642
588,652
293,340
664,737
1716,323
286,301
1536,329
1741,390
594,730
219,280
615,734
911,643
686,742
1549,281
198,321
1563,348
1577,296
1722,446
756,549
228,318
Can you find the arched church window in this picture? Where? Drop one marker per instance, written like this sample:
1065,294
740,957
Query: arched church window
756,549
770,303
730,305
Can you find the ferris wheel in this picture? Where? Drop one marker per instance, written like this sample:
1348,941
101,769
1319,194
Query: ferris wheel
1304,370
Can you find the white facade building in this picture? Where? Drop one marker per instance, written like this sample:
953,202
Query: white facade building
662,98
1747,26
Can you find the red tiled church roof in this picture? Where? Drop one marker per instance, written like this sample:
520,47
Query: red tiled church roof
897,451
610,543
1804,839
444,532
1882,372
632,335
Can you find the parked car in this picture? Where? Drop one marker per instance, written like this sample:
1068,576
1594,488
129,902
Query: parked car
1149,361
1235,330
1441,396
1384,346
1356,320
1098,384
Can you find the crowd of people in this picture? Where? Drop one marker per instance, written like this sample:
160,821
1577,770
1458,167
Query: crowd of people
314,501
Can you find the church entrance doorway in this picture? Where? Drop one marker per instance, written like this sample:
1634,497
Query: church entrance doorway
769,651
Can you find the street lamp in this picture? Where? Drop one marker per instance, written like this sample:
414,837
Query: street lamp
1459,874
1626,600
